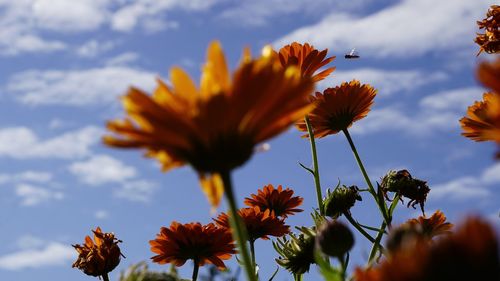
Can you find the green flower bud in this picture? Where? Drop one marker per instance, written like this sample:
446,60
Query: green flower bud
334,239
341,200
297,252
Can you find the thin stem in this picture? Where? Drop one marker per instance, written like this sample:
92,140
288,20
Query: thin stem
252,252
315,165
381,205
195,270
358,227
376,246
343,266
105,277
239,233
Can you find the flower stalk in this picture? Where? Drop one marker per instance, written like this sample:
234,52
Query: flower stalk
196,267
315,170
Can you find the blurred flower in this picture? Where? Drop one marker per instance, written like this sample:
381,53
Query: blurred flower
403,184
192,241
278,201
433,226
490,40
471,253
213,127
259,224
337,108
297,252
307,58
98,257
340,201
482,122
334,239
488,73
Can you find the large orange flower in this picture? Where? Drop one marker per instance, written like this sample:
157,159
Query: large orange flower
489,41
482,122
259,224
192,241
488,73
278,201
471,253
98,257
433,226
337,108
213,127
307,58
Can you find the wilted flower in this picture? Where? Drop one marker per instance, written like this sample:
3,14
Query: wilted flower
483,119
403,184
337,108
297,252
490,40
100,256
215,126
334,239
258,223
341,200
278,201
204,244
307,58
471,253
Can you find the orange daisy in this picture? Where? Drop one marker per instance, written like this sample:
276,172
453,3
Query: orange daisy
471,253
259,224
278,201
204,244
490,40
337,108
488,73
98,257
482,122
214,126
307,58
433,226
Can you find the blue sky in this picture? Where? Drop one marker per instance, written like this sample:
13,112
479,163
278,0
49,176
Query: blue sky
64,63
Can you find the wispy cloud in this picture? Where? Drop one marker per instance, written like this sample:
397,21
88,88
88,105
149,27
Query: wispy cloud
102,169
52,254
94,48
30,176
140,190
32,195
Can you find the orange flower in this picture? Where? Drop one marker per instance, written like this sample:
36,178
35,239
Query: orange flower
278,201
490,40
259,224
471,253
192,241
482,122
100,257
337,108
307,58
433,226
488,73
213,127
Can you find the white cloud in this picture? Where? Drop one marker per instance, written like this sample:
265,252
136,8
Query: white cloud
33,195
22,143
93,48
122,59
492,174
458,99
31,176
101,214
102,169
387,82
407,28
140,191
77,87
53,254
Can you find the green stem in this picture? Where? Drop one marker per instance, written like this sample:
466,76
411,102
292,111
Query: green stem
195,269
297,277
343,266
315,165
376,246
252,252
358,227
105,277
239,233
381,204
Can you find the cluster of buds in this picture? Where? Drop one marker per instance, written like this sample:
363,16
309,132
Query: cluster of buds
403,184
490,40
340,201
297,252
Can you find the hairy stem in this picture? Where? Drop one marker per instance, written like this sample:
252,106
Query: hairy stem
315,165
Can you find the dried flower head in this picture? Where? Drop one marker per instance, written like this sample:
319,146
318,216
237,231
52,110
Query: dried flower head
100,256
215,126
258,223
334,239
297,252
471,253
280,202
341,200
482,122
489,41
204,244
307,58
337,108
402,183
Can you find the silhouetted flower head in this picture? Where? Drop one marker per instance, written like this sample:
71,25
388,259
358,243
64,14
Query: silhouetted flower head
204,244
341,200
334,239
489,41
296,252
99,256
280,202
402,183
338,108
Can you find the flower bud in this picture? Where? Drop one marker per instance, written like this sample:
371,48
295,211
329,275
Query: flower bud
403,184
341,200
334,239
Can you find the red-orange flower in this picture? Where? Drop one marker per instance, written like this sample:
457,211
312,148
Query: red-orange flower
337,108
192,241
307,58
259,224
471,253
214,126
98,257
432,226
488,73
278,201
490,40
482,122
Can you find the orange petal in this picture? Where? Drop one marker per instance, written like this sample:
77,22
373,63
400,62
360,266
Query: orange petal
213,187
